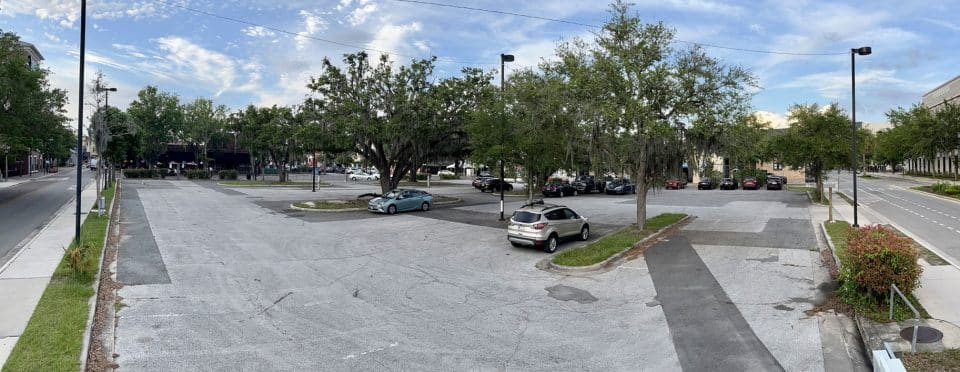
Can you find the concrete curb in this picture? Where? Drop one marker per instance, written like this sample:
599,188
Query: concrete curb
458,200
88,330
856,318
547,263
833,249
277,186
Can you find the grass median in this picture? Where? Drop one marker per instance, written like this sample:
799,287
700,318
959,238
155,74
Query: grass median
930,189
609,245
271,183
878,312
53,338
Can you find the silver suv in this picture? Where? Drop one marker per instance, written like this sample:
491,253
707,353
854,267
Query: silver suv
544,225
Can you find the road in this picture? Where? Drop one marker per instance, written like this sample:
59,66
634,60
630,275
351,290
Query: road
934,220
26,207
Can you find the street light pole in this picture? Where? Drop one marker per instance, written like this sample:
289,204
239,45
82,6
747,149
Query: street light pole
106,91
83,52
863,51
503,58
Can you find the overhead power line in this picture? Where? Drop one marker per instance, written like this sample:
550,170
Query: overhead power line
311,37
708,45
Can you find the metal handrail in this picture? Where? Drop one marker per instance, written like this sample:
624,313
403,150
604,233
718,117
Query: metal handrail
916,314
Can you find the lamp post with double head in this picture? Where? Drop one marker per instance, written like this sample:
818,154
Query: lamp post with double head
503,59
104,127
863,51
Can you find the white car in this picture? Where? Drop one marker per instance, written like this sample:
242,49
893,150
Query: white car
360,176
446,172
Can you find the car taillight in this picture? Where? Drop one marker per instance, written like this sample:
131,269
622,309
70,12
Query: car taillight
540,226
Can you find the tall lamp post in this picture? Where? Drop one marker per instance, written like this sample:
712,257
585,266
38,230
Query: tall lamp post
106,104
503,59
83,53
863,51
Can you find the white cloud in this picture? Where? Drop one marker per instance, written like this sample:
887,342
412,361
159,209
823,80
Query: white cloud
359,15
775,120
65,13
313,23
942,23
195,63
258,31
701,6
392,38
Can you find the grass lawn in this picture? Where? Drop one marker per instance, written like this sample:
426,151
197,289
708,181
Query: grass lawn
877,312
54,335
332,204
930,190
947,360
355,203
271,183
612,244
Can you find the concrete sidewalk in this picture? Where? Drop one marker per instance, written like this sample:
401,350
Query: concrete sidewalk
938,283
922,180
24,278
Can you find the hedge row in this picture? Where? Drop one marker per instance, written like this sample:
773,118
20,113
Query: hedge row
142,173
227,174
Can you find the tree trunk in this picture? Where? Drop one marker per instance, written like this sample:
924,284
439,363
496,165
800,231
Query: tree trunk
641,185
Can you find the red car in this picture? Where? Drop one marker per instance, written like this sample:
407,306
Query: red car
750,183
674,184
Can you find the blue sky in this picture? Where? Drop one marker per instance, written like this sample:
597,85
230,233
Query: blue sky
141,42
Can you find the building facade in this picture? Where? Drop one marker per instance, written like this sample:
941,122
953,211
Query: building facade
944,163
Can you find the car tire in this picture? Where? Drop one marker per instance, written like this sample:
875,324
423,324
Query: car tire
585,232
551,244
516,245
392,209
425,206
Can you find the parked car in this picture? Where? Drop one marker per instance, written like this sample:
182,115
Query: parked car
706,184
445,172
558,188
783,179
620,187
809,178
477,182
360,176
728,184
674,184
774,183
401,200
494,185
54,169
587,184
545,225
751,183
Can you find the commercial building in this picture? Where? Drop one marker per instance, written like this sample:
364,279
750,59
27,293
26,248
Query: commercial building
944,163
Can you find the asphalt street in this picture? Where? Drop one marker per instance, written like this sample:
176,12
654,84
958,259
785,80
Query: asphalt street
934,220
231,278
26,207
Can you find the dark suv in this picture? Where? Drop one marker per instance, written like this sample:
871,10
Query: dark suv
558,188
494,185
620,187
588,185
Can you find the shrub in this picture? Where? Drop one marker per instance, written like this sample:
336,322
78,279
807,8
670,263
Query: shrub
194,174
142,173
80,261
421,176
227,174
952,190
448,177
940,187
875,257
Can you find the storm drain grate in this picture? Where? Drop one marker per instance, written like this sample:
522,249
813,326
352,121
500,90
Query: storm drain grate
925,335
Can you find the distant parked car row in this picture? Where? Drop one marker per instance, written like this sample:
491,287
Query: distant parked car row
749,183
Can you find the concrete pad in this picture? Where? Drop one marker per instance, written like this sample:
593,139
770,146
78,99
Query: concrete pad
20,298
937,292
6,346
31,269
772,288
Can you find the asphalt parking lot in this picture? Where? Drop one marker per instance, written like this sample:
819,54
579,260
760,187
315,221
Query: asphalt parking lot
250,284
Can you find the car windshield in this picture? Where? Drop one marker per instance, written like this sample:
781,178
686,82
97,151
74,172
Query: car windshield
727,180
392,194
525,217
705,180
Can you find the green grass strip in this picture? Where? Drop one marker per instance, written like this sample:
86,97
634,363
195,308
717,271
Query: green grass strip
947,360
53,338
271,183
612,244
838,234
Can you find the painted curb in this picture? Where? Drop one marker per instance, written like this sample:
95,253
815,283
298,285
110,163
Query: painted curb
458,200
612,259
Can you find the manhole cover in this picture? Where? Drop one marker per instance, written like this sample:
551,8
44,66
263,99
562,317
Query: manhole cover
925,335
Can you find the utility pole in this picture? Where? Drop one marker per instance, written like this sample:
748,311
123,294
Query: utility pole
83,52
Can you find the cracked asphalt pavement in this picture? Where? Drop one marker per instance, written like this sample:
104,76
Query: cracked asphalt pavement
256,286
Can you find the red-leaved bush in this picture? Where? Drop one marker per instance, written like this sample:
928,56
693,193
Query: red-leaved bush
876,256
